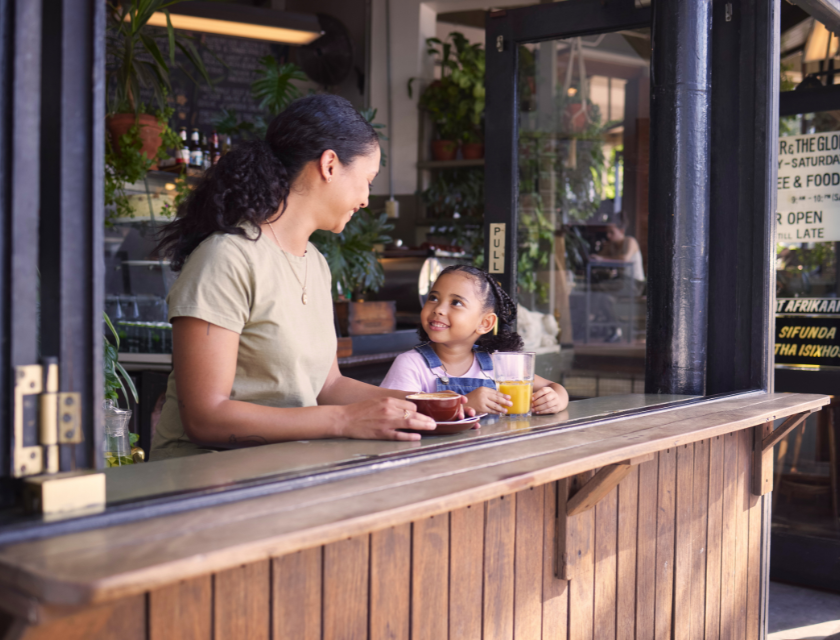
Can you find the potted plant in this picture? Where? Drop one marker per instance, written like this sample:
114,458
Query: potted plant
356,271
139,133
135,62
455,102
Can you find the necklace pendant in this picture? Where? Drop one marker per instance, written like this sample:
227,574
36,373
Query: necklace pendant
303,297
444,380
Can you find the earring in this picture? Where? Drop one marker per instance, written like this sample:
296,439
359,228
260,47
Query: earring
329,179
496,327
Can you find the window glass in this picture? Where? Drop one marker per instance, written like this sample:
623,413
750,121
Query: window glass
584,121
806,496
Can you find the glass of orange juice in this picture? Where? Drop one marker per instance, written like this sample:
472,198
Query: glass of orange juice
513,372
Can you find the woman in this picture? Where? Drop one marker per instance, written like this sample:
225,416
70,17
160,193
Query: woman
623,248
254,346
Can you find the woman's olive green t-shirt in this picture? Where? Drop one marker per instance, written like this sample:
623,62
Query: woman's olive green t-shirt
286,348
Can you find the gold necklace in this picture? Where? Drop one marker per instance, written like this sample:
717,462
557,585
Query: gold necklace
305,267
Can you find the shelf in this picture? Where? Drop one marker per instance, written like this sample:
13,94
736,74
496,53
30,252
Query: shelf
450,164
146,263
159,179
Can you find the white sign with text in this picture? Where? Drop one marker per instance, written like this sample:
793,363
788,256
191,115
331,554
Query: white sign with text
497,248
808,203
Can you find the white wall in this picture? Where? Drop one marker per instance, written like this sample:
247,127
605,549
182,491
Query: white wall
412,21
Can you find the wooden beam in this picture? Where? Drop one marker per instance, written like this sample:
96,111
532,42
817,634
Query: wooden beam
597,488
764,439
576,498
762,471
601,484
785,428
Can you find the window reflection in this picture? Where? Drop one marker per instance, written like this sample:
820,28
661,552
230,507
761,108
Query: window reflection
584,119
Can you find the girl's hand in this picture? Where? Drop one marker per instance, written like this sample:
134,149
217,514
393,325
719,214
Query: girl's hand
465,410
487,400
380,420
549,400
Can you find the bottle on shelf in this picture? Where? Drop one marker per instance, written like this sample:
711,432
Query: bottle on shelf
196,155
215,148
183,155
206,153
226,145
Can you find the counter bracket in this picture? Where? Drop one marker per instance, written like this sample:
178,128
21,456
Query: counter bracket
765,438
576,500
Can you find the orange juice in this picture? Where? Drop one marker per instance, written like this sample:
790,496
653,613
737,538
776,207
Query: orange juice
520,394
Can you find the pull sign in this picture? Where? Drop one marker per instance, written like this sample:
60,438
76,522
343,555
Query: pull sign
497,248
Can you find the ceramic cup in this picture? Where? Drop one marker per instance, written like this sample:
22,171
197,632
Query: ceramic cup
440,406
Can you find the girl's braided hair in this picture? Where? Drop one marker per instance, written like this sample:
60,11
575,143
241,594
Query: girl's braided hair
495,298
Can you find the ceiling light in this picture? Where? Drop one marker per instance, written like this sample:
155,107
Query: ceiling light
241,21
817,45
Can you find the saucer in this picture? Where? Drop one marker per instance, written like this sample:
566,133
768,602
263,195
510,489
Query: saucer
448,428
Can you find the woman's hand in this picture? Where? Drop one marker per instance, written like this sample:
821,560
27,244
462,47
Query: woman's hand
380,419
550,399
487,400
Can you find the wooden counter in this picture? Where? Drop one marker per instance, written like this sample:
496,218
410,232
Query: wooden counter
648,525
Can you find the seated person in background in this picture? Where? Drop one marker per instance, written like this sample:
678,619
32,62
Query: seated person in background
622,248
467,317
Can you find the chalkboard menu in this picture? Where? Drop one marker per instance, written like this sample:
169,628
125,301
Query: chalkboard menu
232,63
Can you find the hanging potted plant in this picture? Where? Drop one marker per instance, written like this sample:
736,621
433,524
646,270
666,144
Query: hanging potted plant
135,63
139,133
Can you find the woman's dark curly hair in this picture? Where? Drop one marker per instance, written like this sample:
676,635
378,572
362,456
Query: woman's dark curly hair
251,183
495,298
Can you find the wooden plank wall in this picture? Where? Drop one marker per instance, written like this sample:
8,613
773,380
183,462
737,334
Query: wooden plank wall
674,553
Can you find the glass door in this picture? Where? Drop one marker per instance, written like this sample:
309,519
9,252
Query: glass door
577,143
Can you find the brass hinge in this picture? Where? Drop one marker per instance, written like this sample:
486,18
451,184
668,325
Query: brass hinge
43,419
27,459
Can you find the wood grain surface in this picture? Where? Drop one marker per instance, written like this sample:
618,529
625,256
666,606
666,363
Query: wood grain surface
499,548
430,578
91,567
466,571
296,602
653,561
344,609
182,611
528,563
390,583
241,602
555,592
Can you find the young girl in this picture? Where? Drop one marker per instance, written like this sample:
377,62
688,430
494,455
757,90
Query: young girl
459,331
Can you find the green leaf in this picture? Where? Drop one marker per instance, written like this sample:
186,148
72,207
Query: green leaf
170,32
111,327
123,374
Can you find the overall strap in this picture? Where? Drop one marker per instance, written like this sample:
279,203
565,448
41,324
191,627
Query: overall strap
429,355
484,360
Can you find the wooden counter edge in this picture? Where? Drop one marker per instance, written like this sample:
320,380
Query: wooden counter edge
47,588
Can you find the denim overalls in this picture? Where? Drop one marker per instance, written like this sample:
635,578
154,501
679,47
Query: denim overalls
458,385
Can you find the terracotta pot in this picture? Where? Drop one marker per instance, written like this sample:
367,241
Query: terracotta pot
574,118
119,124
444,149
472,150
